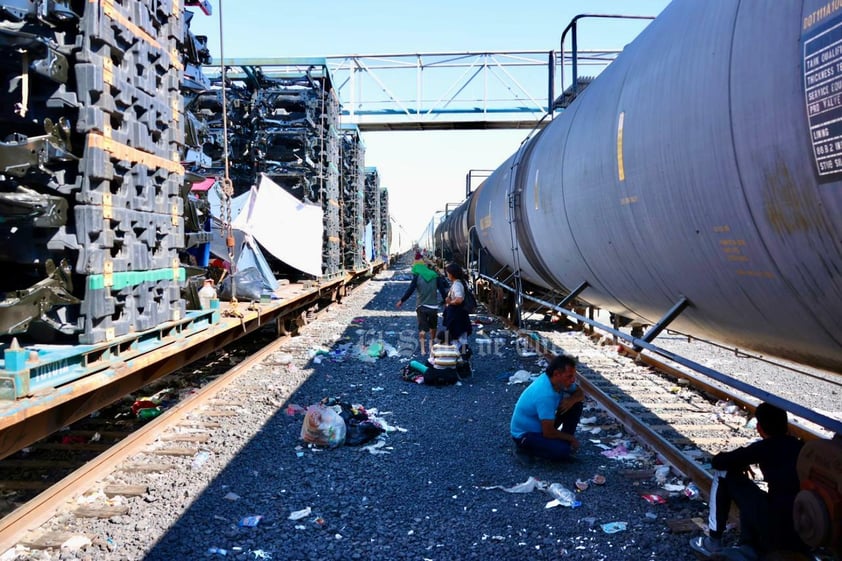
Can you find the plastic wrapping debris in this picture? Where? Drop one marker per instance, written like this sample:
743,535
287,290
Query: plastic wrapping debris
654,499
620,452
250,521
199,459
283,359
692,491
561,496
526,487
75,543
292,410
299,514
248,283
376,448
521,377
614,527
376,350
323,426
217,551
232,497
661,474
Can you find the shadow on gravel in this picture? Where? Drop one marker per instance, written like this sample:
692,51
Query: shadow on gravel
420,495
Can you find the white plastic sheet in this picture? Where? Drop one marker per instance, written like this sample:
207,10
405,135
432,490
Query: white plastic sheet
286,227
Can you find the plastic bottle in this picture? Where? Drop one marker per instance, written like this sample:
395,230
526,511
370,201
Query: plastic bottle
418,366
206,294
562,494
148,413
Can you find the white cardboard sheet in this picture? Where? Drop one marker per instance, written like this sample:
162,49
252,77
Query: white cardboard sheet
287,228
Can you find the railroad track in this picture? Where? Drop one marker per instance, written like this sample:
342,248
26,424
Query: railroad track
684,419
181,438
92,469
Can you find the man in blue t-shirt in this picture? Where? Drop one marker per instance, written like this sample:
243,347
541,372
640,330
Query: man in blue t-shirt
548,411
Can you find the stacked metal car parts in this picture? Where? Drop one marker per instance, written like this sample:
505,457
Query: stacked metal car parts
372,210
385,226
91,165
352,201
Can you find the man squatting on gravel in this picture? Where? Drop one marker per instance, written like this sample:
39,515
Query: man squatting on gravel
427,282
552,400
766,519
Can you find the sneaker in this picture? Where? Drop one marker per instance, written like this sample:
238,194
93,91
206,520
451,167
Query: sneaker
706,545
742,552
522,457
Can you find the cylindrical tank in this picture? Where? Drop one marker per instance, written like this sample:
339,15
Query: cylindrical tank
704,163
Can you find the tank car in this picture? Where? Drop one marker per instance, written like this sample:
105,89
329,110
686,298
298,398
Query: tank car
699,172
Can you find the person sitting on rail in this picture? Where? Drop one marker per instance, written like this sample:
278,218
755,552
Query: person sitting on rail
427,281
548,411
766,519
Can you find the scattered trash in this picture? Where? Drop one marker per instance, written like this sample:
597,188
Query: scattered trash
260,554
587,420
661,474
521,377
582,485
621,452
526,487
323,426
199,459
375,448
598,479
299,514
292,410
75,543
283,359
691,491
561,496
149,413
250,521
232,497
218,551
654,499
614,527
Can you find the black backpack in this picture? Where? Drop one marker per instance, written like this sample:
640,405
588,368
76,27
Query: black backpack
440,376
469,303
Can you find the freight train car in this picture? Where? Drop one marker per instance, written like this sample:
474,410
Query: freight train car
112,134
697,177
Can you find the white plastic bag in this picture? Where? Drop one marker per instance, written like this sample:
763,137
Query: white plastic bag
323,426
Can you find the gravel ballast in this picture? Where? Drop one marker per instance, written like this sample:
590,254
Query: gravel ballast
421,495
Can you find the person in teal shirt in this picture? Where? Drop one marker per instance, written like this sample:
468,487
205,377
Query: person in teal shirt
428,283
548,411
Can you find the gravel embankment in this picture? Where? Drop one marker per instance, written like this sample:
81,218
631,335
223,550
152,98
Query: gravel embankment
420,496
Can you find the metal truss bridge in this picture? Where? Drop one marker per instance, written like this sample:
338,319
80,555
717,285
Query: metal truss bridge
442,91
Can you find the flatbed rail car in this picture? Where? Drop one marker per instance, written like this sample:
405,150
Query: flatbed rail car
43,389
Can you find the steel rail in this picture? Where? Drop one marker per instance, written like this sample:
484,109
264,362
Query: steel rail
796,409
45,505
40,509
669,453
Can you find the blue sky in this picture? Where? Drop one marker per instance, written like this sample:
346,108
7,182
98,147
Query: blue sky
422,170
